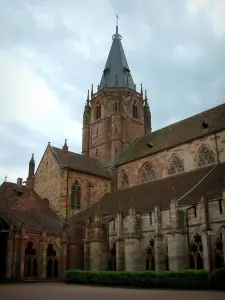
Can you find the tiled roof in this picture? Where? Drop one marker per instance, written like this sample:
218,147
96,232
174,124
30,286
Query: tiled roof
162,191
80,162
21,204
177,133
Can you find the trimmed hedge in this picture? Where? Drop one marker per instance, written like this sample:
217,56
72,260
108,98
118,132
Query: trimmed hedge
187,279
217,279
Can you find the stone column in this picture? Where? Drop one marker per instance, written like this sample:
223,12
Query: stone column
177,241
159,250
120,252
99,247
42,256
133,250
63,254
10,250
22,250
204,225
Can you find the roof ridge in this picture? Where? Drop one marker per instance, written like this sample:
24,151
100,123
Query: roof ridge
125,151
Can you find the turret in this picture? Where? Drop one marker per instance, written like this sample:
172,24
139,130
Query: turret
86,125
147,115
30,178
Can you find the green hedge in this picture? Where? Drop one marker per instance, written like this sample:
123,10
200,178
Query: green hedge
187,279
217,279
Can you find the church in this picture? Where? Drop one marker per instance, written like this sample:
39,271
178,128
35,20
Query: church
135,199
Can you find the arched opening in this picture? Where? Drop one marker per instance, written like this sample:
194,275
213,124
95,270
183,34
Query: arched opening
30,261
76,195
205,156
196,253
98,111
52,262
116,105
4,228
147,173
219,257
135,110
112,257
150,257
176,165
124,180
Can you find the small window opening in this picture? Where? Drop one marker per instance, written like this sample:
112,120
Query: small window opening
195,211
150,145
150,218
205,125
220,206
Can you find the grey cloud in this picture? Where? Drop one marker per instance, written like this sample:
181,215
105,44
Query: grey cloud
177,87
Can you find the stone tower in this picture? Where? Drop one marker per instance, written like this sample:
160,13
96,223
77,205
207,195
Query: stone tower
116,113
31,170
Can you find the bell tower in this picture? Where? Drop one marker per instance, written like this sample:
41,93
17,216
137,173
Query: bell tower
116,113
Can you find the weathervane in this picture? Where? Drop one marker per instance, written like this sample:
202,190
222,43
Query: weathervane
117,20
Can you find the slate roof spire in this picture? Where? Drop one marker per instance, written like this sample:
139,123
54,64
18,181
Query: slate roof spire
116,65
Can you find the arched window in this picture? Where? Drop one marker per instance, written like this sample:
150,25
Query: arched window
98,111
51,261
135,110
76,195
205,157
30,261
176,165
147,173
150,257
219,258
124,180
116,105
196,252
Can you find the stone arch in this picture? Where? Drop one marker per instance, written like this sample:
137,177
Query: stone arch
175,165
205,156
218,250
112,255
30,260
150,254
147,173
52,261
124,179
76,194
196,251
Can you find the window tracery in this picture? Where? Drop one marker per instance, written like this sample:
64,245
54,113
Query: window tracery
219,256
125,180
196,252
150,256
176,165
30,261
148,173
52,261
76,195
205,157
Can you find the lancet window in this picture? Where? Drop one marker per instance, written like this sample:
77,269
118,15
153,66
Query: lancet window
124,180
112,257
135,110
98,111
30,261
76,195
52,261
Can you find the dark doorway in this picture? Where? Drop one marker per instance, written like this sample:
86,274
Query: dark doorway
52,262
112,258
3,249
150,257
30,263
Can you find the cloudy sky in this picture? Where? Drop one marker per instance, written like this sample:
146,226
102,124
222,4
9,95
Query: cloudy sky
52,51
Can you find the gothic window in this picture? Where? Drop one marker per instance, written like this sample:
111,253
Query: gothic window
196,252
30,261
150,257
176,165
98,111
219,258
112,258
135,110
205,157
116,105
51,261
76,195
147,173
125,180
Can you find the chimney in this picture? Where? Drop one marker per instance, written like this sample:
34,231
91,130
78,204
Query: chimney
19,181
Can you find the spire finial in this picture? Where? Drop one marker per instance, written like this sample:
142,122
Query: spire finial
88,96
6,178
92,91
117,36
141,89
146,98
65,146
117,23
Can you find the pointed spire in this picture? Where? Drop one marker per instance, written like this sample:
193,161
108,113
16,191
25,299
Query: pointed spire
92,91
32,161
141,90
31,170
65,146
116,65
